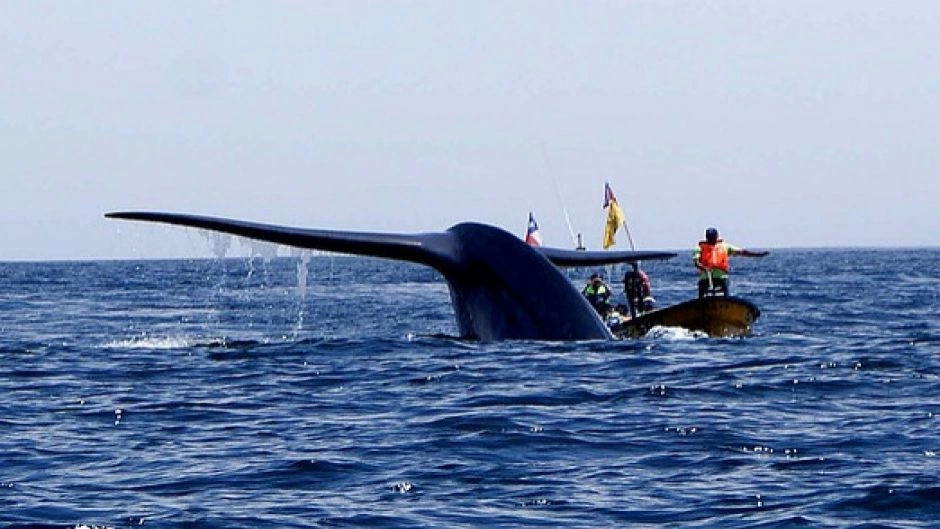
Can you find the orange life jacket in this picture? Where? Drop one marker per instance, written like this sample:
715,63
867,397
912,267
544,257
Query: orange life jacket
714,255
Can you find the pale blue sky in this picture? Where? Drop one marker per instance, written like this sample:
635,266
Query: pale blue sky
796,123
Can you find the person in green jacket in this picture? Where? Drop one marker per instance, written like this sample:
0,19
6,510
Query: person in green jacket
598,294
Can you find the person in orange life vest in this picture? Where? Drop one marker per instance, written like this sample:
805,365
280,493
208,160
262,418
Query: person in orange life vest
711,258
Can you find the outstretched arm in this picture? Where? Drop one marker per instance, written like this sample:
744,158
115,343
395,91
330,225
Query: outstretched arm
749,253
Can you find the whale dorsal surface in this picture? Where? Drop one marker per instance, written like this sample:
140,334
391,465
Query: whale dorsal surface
500,287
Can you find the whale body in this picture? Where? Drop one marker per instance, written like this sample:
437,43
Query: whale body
500,287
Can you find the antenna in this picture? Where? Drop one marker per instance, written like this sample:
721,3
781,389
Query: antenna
561,200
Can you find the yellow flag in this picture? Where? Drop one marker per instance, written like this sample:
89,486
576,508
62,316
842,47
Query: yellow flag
614,220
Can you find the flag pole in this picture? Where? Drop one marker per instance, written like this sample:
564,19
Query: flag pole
629,237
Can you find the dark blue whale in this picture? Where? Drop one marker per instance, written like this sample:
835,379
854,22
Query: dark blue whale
500,287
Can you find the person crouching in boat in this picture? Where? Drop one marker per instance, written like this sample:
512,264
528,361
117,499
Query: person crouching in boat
711,259
637,290
598,294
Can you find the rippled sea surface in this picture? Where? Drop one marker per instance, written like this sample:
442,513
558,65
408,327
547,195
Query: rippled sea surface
248,393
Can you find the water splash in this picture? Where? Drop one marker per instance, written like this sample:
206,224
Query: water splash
675,334
302,272
221,244
151,342
218,242
265,250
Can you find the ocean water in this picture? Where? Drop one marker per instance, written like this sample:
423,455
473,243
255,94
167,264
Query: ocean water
228,393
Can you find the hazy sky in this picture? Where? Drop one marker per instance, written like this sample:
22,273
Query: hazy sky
784,123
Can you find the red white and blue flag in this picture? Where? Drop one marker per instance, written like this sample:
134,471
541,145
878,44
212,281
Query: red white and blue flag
608,195
532,235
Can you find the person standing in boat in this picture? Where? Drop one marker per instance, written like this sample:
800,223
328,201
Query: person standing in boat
711,258
637,290
598,294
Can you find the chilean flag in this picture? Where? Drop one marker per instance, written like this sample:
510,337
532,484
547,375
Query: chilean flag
532,235
608,195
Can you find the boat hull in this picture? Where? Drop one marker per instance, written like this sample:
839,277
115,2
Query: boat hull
717,316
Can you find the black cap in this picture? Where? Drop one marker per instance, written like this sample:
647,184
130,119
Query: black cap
711,234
